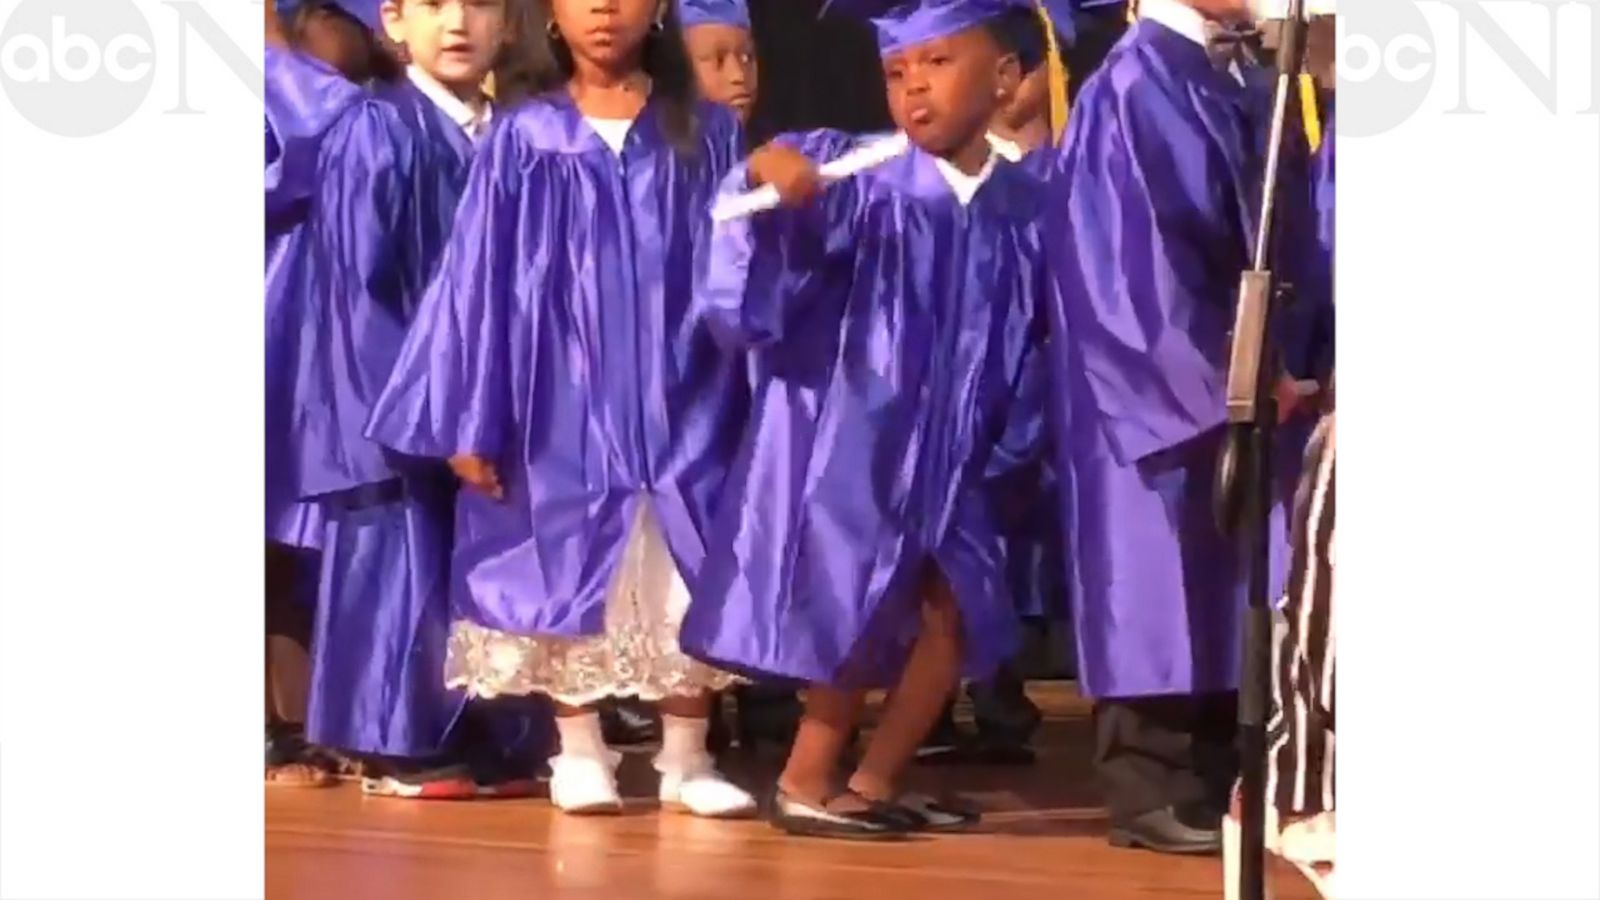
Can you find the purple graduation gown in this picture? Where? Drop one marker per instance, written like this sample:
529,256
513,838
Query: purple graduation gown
558,342
1027,498
1316,277
1323,198
384,189
1151,204
890,327
303,98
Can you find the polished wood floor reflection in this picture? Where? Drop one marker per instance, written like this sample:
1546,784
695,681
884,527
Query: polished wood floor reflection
1044,840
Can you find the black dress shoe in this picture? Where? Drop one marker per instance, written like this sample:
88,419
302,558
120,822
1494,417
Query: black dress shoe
878,822
1169,830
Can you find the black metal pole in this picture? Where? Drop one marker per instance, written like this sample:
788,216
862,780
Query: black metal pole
1245,472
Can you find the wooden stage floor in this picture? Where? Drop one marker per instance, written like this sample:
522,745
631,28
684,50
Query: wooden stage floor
1044,840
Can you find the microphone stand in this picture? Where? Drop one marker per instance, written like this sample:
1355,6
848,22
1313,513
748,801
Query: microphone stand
1245,487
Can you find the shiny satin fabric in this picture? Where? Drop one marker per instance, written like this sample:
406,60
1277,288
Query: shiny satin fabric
344,287
1325,191
391,172
303,98
1028,509
558,341
1029,496
889,330
1149,224
382,622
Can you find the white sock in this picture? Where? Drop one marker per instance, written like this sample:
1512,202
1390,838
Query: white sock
581,736
683,743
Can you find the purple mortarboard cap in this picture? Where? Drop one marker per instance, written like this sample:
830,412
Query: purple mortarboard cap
367,12
1060,13
713,12
906,23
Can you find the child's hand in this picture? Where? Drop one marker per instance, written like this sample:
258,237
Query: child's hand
478,473
789,172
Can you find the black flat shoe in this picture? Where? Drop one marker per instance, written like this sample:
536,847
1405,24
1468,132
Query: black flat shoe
878,822
936,816
1167,831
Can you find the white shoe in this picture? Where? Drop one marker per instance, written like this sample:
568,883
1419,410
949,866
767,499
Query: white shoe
705,792
585,785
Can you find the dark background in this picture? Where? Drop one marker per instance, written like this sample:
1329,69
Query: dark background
815,73
825,73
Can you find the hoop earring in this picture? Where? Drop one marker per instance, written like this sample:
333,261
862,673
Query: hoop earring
658,26
552,31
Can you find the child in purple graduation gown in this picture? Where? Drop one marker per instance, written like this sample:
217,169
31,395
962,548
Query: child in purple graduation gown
387,176
1152,202
308,86
890,323
340,34
555,364
716,34
1022,130
304,96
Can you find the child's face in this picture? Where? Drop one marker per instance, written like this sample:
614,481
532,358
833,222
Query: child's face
724,59
337,40
605,33
455,41
943,93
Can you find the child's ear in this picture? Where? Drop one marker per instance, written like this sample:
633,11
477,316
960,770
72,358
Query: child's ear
1008,76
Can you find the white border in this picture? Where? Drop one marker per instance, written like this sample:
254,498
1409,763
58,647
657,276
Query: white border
130,562
1469,396
130,489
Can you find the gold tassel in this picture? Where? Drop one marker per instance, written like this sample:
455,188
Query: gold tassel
1056,72
1133,11
1309,114
488,85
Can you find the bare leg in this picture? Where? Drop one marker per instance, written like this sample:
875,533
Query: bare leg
288,674
918,699
695,707
829,720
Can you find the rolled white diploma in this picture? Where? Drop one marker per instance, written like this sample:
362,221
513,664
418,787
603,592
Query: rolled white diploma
737,206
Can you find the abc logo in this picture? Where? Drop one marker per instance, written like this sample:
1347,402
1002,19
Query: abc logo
76,69
1385,61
